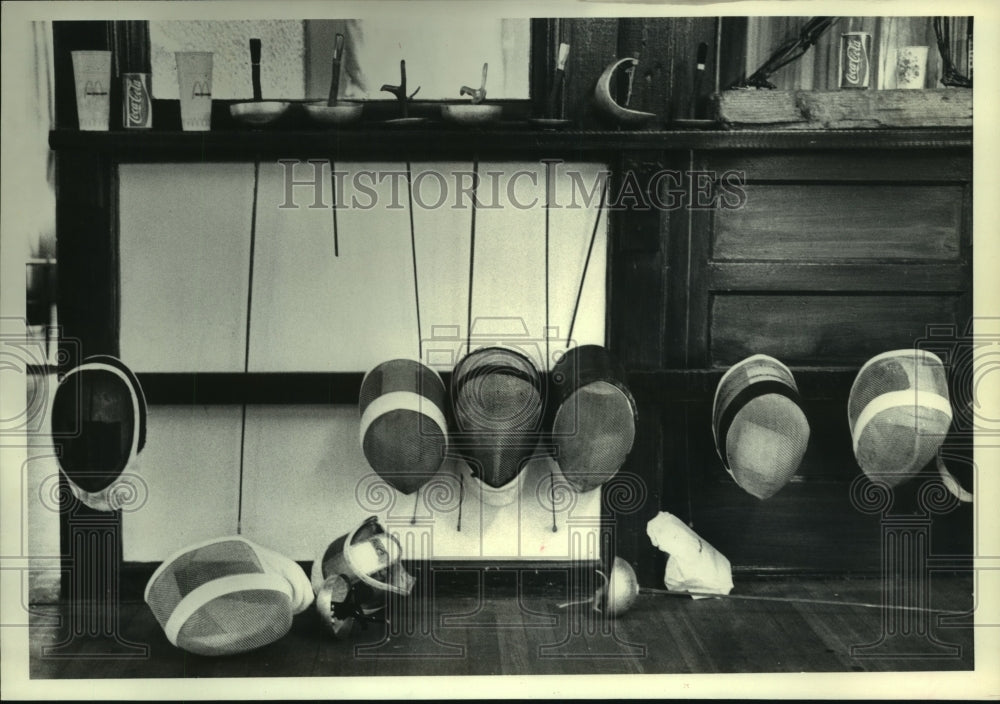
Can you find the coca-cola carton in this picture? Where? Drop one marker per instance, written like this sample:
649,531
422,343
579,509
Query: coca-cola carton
137,103
855,60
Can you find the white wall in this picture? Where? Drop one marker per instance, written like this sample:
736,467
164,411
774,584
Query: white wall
29,536
185,268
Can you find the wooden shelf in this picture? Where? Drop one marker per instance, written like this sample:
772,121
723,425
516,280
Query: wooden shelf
342,387
510,143
845,109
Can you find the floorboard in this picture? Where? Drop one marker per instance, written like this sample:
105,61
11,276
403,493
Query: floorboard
769,625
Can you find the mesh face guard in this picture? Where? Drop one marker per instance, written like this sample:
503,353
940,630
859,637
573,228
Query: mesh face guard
497,395
98,428
593,428
899,413
353,576
760,431
226,596
503,495
404,431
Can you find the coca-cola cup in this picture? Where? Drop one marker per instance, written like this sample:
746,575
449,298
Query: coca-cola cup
92,75
911,67
194,80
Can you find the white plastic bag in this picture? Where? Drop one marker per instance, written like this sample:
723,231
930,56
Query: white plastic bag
693,565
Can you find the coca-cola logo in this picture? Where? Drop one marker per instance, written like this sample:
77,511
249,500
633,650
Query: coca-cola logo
855,60
138,105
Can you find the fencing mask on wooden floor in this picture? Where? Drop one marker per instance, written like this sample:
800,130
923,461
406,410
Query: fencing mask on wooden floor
226,596
355,573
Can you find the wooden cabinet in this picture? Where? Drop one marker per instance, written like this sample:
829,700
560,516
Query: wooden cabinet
822,258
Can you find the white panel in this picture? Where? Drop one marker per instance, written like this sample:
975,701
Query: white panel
571,226
305,480
301,469
190,472
306,483
508,291
442,221
313,311
184,247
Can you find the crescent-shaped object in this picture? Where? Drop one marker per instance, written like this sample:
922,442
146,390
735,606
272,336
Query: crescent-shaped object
606,104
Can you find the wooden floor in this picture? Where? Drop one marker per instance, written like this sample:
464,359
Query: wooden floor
506,634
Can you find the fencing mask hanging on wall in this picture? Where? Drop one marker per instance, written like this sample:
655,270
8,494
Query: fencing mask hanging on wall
594,426
899,413
760,431
404,433
98,427
497,396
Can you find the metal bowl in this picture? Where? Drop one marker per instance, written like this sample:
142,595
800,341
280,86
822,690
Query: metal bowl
259,112
340,114
471,114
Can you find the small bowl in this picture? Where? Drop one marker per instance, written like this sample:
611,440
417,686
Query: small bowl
259,112
340,114
471,114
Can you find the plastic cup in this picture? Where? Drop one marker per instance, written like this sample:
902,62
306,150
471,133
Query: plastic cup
194,80
92,74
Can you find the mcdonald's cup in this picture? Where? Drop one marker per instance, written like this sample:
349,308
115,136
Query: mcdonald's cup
92,74
194,82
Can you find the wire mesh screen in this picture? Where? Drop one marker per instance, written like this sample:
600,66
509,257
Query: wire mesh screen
223,597
498,403
402,404
899,413
760,429
93,425
594,425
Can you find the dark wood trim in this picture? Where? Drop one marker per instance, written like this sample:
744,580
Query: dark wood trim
901,277
237,388
594,44
434,142
965,306
875,165
733,41
700,240
699,384
541,65
452,577
211,388
674,238
86,234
